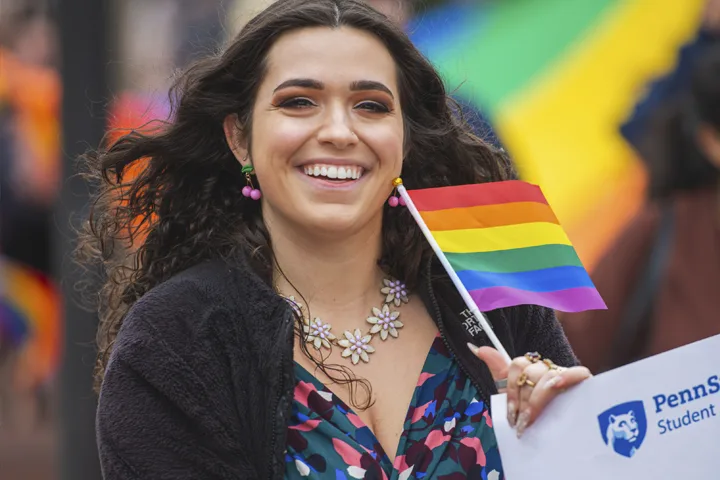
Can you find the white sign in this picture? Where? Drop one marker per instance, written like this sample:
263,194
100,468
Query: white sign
658,418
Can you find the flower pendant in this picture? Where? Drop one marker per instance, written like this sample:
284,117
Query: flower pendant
356,346
318,333
385,322
395,292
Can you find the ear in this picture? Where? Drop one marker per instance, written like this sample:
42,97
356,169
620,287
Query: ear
235,138
612,419
708,139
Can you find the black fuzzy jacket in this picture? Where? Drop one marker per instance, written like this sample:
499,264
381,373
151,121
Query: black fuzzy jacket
200,382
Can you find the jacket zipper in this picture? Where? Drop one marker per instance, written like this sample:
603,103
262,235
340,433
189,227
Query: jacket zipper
441,328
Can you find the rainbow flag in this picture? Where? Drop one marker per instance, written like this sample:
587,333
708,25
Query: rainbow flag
506,246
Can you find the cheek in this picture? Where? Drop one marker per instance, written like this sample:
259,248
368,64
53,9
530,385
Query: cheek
388,144
278,140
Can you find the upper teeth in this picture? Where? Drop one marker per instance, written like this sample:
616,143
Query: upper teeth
332,171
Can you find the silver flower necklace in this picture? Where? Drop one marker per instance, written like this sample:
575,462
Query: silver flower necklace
384,323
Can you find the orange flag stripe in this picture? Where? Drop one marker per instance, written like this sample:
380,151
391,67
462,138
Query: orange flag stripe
487,216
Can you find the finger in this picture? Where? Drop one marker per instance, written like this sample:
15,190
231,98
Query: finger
535,373
569,377
552,383
541,396
493,359
513,390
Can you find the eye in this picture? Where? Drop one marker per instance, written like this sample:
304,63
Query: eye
298,102
372,106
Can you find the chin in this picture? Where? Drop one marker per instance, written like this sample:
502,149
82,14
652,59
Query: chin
335,219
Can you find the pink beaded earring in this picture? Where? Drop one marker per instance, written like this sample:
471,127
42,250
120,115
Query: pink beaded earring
395,199
249,190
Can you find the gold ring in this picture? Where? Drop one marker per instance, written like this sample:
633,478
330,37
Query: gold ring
550,364
533,357
524,380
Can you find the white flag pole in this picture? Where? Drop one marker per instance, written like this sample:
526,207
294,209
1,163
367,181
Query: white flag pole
453,276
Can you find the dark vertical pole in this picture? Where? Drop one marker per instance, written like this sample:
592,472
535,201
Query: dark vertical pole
84,27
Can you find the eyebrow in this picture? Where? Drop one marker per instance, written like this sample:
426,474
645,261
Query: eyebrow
356,86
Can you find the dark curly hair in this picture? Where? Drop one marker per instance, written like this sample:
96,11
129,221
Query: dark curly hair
171,197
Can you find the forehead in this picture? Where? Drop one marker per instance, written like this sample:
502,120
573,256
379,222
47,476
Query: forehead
331,55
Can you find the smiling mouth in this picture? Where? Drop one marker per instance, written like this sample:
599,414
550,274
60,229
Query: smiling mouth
334,173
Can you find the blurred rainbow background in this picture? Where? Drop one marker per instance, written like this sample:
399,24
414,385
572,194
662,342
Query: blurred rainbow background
30,306
30,321
556,78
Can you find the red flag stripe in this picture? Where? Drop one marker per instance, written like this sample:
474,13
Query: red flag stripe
462,196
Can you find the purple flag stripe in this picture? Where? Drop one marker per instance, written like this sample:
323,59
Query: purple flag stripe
568,300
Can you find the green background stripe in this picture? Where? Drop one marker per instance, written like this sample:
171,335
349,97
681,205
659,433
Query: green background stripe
518,40
516,260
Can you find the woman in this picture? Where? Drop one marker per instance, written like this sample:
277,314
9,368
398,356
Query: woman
253,332
660,278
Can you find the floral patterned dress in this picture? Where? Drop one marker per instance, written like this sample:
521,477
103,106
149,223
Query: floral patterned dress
447,434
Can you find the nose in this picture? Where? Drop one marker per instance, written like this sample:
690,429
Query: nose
336,129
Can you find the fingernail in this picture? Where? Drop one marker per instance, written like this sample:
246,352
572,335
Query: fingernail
522,422
554,382
512,413
473,348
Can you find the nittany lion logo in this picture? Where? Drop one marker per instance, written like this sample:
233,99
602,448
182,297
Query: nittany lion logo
623,427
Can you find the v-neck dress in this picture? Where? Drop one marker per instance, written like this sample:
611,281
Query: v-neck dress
447,434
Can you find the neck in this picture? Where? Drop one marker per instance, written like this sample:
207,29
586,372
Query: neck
338,279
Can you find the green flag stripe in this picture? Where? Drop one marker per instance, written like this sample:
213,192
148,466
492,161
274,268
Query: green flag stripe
516,260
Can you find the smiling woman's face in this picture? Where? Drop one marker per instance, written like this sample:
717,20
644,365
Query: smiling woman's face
327,130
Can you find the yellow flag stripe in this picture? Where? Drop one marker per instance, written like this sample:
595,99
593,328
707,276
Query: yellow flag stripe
501,238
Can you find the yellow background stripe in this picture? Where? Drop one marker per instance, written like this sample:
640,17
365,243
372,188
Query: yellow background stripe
563,131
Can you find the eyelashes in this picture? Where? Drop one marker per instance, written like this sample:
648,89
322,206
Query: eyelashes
300,103
295,103
372,106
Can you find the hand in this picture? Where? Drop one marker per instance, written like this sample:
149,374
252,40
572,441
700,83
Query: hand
543,382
